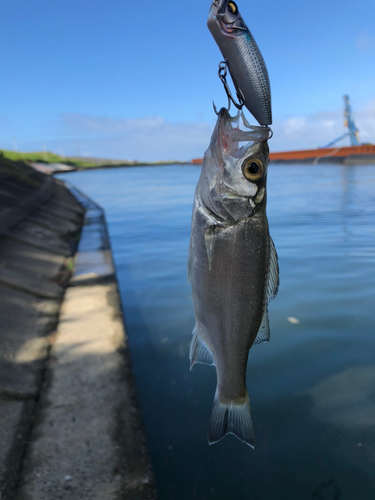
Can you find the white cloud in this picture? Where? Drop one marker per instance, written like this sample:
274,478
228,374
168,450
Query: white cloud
148,138
154,138
313,130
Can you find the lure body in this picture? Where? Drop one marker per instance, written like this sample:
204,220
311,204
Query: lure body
245,61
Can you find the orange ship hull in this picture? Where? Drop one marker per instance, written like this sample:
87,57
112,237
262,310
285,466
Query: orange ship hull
345,154
325,153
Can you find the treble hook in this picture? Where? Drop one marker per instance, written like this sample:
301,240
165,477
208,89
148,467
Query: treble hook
215,108
223,71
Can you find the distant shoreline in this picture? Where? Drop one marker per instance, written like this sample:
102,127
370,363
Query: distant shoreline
81,163
121,165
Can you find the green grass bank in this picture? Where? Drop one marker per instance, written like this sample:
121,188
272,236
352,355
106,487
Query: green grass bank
80,163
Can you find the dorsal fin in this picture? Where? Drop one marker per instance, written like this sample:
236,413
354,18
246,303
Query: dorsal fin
263,334
273,273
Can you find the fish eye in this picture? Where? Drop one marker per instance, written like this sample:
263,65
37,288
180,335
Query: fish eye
253,169
232,8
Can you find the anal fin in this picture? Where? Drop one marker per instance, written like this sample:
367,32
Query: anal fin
199,352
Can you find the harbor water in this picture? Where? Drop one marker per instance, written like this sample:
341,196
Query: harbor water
312,387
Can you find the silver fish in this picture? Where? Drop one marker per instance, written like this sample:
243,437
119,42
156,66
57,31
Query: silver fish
232,266
245,62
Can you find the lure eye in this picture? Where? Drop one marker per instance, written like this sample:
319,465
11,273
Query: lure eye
253,169
232,7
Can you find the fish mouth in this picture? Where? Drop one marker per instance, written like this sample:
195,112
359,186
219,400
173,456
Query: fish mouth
232,140
224,115
225,119
255,132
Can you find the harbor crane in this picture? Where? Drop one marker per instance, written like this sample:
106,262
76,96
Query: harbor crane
349,123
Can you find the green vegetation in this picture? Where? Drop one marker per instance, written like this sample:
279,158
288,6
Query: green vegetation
78,163
43,156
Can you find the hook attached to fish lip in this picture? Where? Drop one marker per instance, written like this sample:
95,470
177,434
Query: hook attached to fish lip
223,71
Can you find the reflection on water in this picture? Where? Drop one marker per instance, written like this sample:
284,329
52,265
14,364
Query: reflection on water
312,387
347,399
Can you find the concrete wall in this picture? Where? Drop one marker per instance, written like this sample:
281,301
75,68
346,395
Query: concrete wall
70,425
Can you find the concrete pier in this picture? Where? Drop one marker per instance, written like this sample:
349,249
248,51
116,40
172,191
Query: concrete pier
70,425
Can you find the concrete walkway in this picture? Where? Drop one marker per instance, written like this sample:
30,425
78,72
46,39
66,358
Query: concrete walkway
35,265
70,426
88,441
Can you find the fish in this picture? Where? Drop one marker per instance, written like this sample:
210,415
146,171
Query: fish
245,62
232,266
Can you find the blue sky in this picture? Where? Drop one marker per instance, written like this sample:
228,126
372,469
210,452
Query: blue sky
135,80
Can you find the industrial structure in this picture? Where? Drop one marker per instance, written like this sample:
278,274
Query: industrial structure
329,152
352,131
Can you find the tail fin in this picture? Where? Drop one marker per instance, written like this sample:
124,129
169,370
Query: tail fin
234,418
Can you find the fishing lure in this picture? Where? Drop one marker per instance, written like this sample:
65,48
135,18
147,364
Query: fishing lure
243,59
